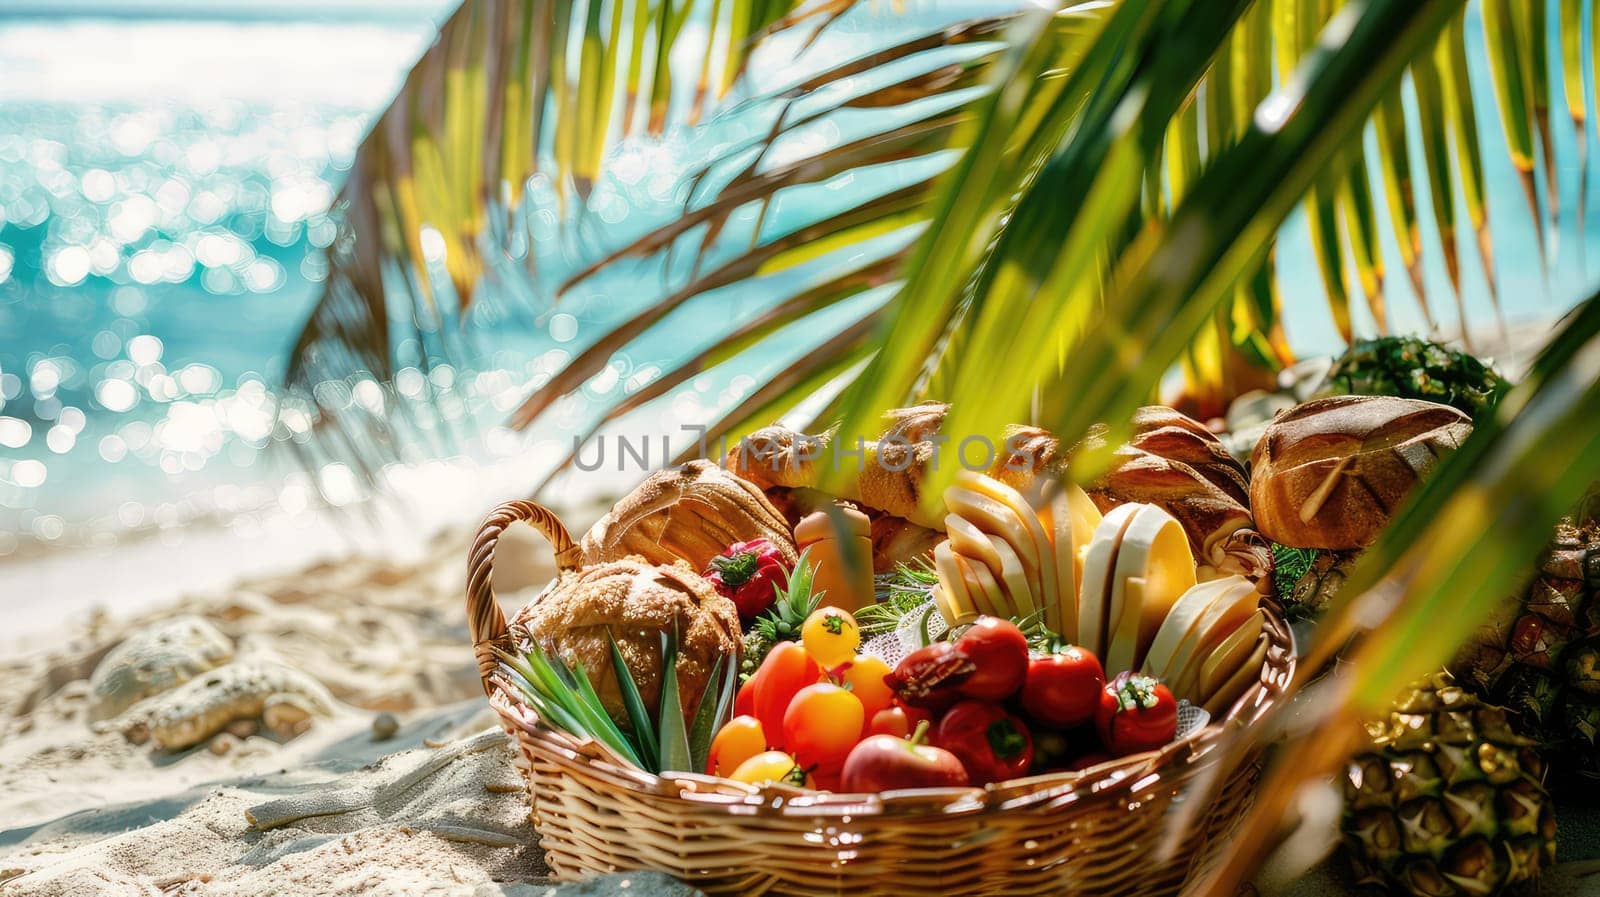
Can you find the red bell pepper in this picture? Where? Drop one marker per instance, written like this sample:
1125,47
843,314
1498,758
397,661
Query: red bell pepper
991,744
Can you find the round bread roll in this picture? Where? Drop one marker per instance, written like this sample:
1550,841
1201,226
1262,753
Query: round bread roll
1328,473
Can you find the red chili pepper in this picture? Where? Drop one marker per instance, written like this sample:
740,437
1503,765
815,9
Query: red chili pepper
1137,713
749,574
991,744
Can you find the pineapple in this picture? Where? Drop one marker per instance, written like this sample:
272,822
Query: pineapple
1416,368
1449,800
782,621
1314,582
1540,654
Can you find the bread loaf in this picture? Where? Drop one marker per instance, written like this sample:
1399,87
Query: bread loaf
889,473
1173,462
691,513
1328,473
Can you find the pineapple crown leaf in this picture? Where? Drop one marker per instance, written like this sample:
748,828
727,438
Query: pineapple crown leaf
795,601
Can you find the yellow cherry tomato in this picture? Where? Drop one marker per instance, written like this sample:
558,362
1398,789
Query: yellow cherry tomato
864,678
822,724
770,766
735,743
830,635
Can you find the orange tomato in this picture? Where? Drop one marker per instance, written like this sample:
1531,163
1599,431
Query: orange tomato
864,678
822,724
890,721
786,670
770,766
831,636
737,741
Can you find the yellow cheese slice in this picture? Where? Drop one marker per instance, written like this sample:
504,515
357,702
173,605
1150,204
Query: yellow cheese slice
1154,568
967,540
984,588
1220,666
995,518
1099,563
1245,676
1069,519
1044,588
951,595
1012,578
1217,623
1182,621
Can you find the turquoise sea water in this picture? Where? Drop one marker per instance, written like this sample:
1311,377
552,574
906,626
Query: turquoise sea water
165,169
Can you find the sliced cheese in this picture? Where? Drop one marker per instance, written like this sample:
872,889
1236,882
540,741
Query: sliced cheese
951,595
1154,568
1225,661
984,589
1099,563
995,518
1181,621
1045,588
1217,623
967,540
1070,528
1246,675
1012,578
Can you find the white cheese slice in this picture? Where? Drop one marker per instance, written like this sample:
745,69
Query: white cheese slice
951,595
1099,563
1154,568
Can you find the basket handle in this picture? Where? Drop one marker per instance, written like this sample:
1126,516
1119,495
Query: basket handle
485,620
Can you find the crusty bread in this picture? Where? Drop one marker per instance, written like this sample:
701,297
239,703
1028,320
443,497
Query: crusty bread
890,472
630,602
1175,463
691,513
1328,473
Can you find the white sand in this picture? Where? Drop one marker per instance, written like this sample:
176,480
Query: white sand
84,809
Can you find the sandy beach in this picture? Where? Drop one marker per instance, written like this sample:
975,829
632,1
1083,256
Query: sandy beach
392,778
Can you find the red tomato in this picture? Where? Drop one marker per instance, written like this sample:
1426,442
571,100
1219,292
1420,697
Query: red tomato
822,724
991,744
1063,687
999,650
787,669
1137,713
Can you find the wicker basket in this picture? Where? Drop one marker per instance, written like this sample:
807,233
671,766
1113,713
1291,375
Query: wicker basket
1098,832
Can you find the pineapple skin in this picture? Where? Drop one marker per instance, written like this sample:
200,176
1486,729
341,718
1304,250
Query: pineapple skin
1539,655
1448,800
